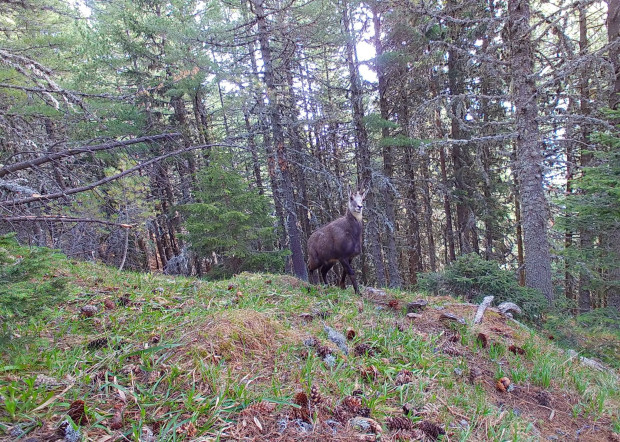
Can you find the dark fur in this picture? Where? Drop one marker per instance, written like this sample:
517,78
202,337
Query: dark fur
338,241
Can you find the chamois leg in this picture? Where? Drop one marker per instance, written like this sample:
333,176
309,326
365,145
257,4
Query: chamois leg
311,274
348,269
343,279
324,271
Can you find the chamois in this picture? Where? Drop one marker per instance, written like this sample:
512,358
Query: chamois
338,241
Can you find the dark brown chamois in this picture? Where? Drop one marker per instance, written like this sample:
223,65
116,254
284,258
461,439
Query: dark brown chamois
338,241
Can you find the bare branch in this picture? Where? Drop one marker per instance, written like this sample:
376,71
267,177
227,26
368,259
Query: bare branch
52,196
13,186
86,149
62,219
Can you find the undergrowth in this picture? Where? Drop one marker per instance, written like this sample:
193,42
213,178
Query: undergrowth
249,358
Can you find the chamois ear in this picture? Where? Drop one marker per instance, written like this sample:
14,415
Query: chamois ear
365,193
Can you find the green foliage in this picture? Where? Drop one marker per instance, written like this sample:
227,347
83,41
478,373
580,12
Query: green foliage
232,221
595,333
26,288
472,278
594,209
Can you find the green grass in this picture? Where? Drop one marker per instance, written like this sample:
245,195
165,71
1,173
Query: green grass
185,357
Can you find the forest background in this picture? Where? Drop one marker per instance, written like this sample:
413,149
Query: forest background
212,137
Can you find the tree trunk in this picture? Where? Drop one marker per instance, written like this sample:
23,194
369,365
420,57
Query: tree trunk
529,159
613,35
388,157
447,207
363,151
281,155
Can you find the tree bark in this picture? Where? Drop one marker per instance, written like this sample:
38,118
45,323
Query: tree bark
388,156
363,151
529,159
281,155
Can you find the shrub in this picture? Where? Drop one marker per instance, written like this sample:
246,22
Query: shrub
473,278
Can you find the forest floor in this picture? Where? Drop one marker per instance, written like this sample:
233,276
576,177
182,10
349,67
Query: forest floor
269,358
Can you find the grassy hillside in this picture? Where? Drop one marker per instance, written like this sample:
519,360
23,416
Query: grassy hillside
140,357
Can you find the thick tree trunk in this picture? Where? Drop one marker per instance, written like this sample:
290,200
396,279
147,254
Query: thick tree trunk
529,159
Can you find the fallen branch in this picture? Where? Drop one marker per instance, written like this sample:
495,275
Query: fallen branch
63,219
506,307
482,307
86,149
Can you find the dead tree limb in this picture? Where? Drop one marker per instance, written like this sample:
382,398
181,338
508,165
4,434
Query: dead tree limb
67,192
482,307
62,219
85,149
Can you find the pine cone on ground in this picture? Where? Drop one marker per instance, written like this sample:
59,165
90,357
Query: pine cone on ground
259,408
303,412
315,396
352,403
403,377
399,423
432,430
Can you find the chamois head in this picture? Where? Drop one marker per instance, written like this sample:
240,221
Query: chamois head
356,201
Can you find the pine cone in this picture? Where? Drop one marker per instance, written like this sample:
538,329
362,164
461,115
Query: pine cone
502,384
89,311
399,423
403,377
350,333
77,412
323,350
432,430
259,408
303,412
109,304
474,374
394,304
363,349
315,396
352,403
516,350
452,351
97,343
370,373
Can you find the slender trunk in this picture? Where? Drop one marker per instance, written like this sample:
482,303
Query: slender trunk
363,152
529,161
428,211
274,179
460,162
281,155
447,206
612,295
388,158
613,35
586,236
254,151
519,233
297,144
